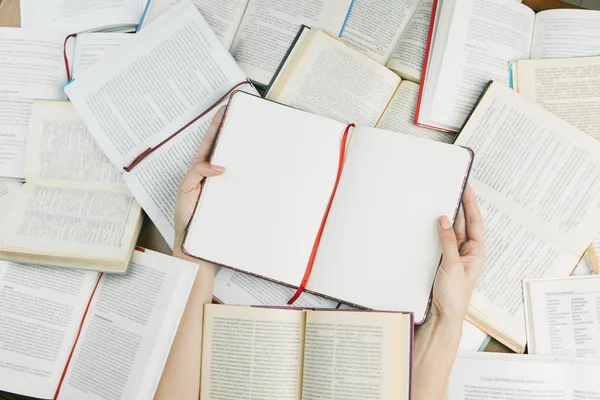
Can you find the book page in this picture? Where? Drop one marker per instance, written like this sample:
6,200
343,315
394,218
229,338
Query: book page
408,55
569,88
585,379
399,116
223,16
384,216
238,288
374,26
171,72
254,351
312,82
530,233
61,151
259,221
486,375
155,181
76,223
484,36
472,338
356,355
75,16
269,27
563,316
42,309
129,329
7,191
566,33
38,73
90,48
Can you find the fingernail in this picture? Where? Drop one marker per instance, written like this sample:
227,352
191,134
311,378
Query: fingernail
217,168
445,223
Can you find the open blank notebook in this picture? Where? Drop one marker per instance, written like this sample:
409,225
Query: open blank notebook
379,248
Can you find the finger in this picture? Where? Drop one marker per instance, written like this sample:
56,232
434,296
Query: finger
460,227
196,173
208,141
473,218
448,241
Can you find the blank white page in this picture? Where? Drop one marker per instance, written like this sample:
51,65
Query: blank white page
380,248
263,214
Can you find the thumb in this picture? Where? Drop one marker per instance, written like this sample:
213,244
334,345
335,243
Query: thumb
196,174
448,241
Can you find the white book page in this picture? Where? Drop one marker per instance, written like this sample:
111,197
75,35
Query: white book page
374,26
90,48
42,309
252,351
472,338
408,55
171,71
7,191
313,82
399,115
388,222
569,88
487,375
530,233
37,73
566,33
129,329
263,214
75,223
61,151
155,181
356,356
564,316
222,16
238,288
75,16
484,36
270,26
586,384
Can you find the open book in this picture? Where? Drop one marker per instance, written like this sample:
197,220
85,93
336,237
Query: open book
71,334
472,41
393,33
563,316
367,93
567,87
283,166
74,16
259,32
176,88
537,179
515,376
271,353
74,210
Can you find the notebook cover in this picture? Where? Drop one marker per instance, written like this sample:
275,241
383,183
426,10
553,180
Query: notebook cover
185,238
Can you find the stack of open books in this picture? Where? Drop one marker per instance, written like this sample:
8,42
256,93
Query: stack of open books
350,128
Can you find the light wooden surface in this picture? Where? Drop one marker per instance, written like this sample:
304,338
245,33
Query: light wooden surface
150,238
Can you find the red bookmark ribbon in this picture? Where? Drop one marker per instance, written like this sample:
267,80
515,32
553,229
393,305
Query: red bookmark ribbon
315,248
149,150
66,58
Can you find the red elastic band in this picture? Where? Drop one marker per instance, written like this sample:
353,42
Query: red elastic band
72,35
64,373
149,151
315,248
